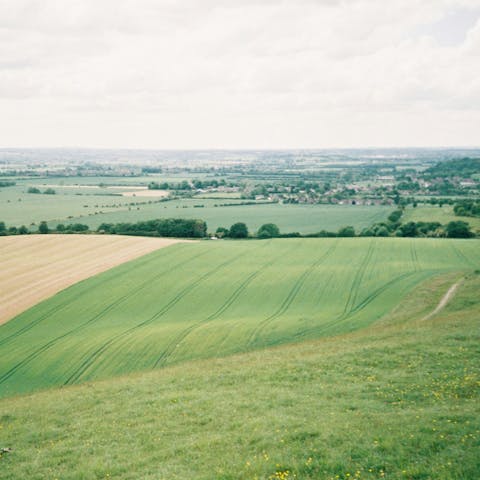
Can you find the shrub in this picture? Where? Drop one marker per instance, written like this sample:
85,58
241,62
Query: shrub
268,230
239,230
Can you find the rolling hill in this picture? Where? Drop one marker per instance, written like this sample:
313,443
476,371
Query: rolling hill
211,299
396,400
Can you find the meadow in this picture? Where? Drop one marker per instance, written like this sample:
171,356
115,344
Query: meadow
89,204
216,298
434,213
18,207
289,217
398,400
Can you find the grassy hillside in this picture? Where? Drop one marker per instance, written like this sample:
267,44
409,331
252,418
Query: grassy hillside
397,400
211,299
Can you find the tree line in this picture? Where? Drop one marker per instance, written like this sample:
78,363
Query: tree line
195,228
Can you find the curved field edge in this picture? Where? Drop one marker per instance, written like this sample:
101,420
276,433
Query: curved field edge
35,267
398,399
208,299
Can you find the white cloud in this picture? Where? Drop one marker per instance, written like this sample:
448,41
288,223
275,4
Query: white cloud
215,73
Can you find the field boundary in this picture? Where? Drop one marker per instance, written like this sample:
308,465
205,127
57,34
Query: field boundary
36,267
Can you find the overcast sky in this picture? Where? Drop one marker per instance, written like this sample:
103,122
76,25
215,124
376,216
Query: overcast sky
239,73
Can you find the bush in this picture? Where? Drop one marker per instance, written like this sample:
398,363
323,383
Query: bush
382,232
459,229
408,230
239,230
268,230
222,232
168,227
43,228
346,232
394,217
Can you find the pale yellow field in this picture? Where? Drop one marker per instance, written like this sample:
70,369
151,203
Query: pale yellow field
35,267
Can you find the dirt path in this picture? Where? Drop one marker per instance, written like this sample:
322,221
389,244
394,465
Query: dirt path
444,300
35,267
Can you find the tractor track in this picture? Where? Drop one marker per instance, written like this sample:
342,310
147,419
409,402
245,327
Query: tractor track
90,360
291,295
75,330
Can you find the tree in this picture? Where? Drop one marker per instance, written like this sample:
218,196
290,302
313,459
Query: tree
346,232
23,230
222,232
49,191
409,230
268,230
3,228
43,227
238,230
459,229
382,231
33,190
395,216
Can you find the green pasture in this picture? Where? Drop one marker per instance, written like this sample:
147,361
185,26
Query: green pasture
141,180
93,206
289,218
398,400
434,213
216,298
17,207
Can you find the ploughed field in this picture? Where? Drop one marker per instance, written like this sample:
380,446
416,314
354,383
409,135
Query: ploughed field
211,299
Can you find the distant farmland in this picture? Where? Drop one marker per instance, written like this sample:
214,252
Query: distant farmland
210,299
93,205
289,217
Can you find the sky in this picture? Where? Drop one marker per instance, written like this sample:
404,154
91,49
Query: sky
195,74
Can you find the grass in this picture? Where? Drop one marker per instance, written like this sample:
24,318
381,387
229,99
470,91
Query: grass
289,218
35,267
211,299
396,400
92,206
443,215
22,208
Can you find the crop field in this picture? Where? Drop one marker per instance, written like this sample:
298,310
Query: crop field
35,267
81,200
211,299
21,208
443,215
289,217
399,400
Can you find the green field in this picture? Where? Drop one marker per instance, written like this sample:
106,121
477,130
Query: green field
289,218
21,208
211,299
398,400
432,213
92,205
